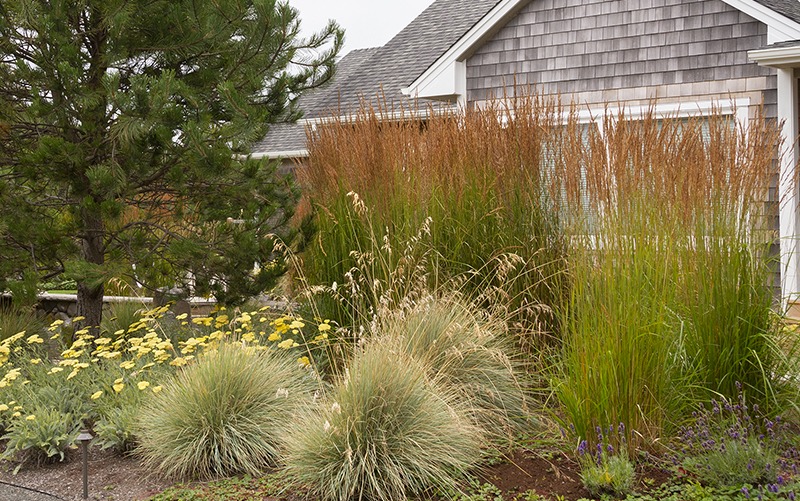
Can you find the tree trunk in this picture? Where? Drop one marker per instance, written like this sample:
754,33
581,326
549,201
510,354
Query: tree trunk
90,301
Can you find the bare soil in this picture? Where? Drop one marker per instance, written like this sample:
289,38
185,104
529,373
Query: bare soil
122,478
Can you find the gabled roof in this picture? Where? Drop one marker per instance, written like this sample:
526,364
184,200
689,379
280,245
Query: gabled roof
426,60
787,8
447,75
368,73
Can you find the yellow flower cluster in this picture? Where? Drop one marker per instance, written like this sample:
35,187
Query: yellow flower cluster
137,357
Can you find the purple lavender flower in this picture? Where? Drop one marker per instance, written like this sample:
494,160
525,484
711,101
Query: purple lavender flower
738,386
791,495
780,479
610,449
746,492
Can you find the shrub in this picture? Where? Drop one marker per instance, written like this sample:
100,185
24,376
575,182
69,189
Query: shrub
226,413
385,433
727,446
470,354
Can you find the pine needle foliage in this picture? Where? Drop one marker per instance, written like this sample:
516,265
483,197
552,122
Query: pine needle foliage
126,130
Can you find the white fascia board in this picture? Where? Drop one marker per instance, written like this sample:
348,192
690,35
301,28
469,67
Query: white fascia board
779,27
272,155
388,116
446,78
778,57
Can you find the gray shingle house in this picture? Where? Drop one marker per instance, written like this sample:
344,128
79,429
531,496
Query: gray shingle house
690,55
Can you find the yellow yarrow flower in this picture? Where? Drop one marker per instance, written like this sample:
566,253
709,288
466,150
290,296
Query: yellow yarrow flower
35,339
143,384
274,336
118,387
32,417
286,343
97,395
35,361
178,362
157,389
3,407
55,369
128,364
16,414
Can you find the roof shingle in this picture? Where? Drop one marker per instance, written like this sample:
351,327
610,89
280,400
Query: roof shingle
374,74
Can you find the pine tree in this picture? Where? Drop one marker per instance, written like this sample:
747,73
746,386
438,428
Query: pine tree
124,132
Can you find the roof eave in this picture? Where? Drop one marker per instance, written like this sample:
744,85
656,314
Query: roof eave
274,155
446,77
777,57
780,27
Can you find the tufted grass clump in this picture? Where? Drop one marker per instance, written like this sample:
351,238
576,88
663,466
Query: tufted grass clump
385,433
470,354
224,414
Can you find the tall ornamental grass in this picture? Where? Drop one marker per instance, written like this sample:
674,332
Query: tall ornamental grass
467,191
385,432
672,280
224,414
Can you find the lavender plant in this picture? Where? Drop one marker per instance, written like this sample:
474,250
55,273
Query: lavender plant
732,444
604,468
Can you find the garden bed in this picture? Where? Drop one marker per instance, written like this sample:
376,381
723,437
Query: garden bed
519,475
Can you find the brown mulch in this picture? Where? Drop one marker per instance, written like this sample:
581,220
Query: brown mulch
551,474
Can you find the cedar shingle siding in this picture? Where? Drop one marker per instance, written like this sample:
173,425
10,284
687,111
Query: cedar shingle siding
650,48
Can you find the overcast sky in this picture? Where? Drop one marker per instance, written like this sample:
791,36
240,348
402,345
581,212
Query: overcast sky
366,23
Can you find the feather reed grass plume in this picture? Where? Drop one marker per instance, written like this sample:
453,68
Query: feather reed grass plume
672,296
476,180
